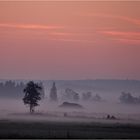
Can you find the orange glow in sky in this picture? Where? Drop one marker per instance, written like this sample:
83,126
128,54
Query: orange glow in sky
70,40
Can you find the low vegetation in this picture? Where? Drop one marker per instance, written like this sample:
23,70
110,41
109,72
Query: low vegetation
67,130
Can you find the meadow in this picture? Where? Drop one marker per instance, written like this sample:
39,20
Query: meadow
24,129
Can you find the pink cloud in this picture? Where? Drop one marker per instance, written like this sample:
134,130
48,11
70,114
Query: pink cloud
60,33
119,33
74,40
125,37
129,41
29,26
124,18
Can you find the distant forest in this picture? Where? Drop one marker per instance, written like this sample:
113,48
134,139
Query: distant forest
76,88
12,89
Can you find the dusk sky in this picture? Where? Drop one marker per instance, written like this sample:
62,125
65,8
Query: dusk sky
70,40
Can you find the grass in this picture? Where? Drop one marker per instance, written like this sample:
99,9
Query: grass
23,129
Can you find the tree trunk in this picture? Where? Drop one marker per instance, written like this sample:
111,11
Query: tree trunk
31,108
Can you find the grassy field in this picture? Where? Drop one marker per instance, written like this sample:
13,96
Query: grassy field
34,129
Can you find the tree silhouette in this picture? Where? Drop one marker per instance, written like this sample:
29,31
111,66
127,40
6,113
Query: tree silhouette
87,96
129,98
53,93
71,95
32,95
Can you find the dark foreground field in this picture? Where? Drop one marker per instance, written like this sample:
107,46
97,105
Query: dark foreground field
26,129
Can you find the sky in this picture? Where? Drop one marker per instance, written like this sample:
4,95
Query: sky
69,40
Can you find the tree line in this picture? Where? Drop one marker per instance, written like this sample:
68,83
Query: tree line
35,92
33,95
15,89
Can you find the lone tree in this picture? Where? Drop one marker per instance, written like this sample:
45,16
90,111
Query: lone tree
32,95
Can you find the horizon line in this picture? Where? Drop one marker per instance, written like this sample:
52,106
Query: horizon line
6,79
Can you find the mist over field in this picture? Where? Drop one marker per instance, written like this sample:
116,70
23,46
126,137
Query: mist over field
108,90
79,109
